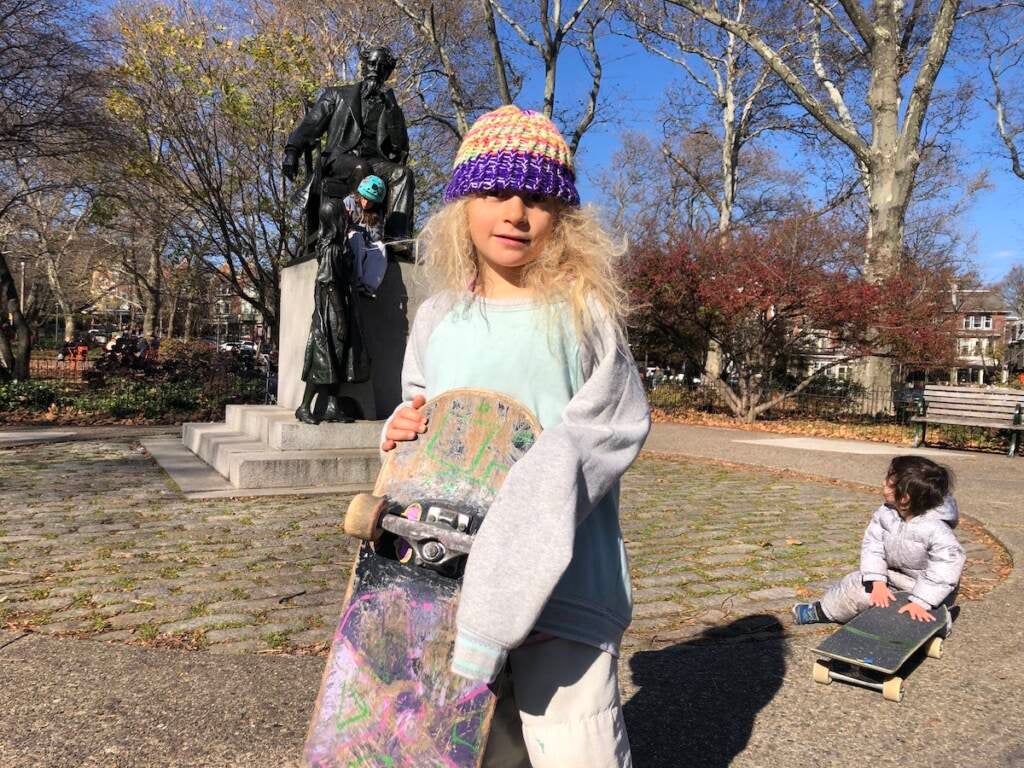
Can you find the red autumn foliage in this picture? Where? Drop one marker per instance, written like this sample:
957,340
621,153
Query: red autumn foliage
768,297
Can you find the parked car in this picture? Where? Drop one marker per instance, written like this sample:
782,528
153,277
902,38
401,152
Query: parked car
246,347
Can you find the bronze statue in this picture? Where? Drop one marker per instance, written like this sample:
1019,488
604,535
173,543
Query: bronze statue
365,133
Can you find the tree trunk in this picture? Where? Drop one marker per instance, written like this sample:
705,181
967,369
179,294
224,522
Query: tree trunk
151,317
59,296
172,313
189,302
730,142
890,174
17,345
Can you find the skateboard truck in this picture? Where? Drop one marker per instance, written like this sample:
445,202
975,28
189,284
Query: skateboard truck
436,538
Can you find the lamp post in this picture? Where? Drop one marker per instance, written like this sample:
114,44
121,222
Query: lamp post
21,293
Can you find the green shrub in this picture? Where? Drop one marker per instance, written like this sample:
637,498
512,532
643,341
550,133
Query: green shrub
33,395
128,398
674,397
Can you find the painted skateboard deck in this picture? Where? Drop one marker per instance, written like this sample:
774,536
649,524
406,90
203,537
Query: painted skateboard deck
876,644
387,697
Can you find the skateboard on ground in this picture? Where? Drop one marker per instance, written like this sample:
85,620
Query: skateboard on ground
871,648
387,697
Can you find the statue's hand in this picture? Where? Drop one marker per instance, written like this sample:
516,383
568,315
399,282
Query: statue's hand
290,165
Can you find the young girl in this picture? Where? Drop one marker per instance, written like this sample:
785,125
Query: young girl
530,307
369,254
909,545
364,207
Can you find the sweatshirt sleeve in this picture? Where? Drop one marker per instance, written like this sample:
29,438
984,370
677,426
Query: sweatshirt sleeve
873,566
526,540
946,560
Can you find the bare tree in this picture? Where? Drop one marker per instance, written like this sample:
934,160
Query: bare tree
867,52
733,97
661,192
509,37
1012,288
55,227
48,92
1003,45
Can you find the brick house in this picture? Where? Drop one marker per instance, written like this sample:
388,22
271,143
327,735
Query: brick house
1015,345
983,324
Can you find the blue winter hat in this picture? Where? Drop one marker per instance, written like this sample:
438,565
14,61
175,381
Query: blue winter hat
373,189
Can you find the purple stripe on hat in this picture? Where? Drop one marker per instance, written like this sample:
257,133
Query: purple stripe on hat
511,171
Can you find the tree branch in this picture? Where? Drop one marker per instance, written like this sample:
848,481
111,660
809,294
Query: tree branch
745,32
499,58
595,87
938,46
861,21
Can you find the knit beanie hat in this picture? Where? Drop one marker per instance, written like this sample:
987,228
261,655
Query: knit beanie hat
514,150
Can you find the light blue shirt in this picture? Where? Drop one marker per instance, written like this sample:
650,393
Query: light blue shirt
530,352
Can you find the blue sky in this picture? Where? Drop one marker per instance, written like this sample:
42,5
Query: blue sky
637,80
996,218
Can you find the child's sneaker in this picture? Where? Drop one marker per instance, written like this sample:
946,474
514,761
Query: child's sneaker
806,613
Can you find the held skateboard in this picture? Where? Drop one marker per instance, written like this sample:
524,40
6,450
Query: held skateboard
387,697
871,648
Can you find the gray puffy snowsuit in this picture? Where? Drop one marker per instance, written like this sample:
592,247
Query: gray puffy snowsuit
921,555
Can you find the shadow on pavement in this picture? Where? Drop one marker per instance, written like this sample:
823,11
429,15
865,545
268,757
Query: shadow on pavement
696,702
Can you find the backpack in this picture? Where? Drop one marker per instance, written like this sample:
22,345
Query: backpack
369,258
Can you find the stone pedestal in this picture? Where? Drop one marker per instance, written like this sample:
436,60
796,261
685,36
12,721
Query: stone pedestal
264,446
385,321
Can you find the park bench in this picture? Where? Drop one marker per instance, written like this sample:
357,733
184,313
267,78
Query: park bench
988,408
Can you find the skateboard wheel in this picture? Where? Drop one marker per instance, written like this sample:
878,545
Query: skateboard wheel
821,673
893,689
935,648
363,516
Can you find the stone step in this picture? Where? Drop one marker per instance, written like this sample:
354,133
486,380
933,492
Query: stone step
296,469
217,443
278,428
293,435
249,463
254,420
195,434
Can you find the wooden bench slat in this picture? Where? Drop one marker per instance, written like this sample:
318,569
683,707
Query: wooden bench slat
949,398
974,398
996,399
968,422
972,390
935,409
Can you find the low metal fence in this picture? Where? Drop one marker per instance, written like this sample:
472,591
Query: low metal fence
876,406
70,370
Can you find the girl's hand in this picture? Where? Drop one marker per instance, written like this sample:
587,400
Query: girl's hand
407,422
917,612
881,595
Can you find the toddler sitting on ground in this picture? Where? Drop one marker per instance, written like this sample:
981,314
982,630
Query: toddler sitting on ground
909,545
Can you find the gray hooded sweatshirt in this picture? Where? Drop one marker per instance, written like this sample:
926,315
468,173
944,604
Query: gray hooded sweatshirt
549,556
923,547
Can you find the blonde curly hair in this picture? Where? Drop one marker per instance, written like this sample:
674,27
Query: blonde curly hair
577,264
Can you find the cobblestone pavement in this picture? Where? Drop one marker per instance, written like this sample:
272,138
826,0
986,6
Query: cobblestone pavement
95,542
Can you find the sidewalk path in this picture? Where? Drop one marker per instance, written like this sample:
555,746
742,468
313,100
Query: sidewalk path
754,703
96,544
